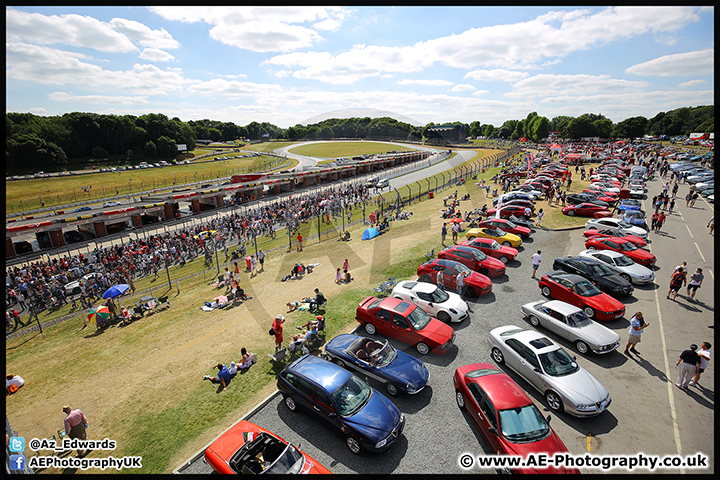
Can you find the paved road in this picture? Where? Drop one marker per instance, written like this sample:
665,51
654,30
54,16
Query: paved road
648,413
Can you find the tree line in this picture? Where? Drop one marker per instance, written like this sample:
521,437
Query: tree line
52,143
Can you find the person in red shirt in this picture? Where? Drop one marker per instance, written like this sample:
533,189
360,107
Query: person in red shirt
76,425
278,329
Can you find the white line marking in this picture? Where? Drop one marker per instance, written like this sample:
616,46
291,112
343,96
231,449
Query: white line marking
688,229
700,252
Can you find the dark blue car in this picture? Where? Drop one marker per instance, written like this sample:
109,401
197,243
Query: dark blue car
349,406
379,360
81,209
629,204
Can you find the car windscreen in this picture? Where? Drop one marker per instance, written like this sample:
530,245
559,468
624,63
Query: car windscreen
627,246
351,397
418,318
600,270
510,224
460,268
290,461
477,254
493,245
523,424
436,296
585,289
623,261
558,363
385,355
579,319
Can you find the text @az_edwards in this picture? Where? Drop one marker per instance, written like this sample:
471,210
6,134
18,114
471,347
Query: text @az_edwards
602,462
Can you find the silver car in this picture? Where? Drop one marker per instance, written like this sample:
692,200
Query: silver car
570,322
616,225
445,306
550,369
625,266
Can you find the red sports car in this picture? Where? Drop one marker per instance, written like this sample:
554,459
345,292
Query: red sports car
474,259
249,449
506,225
508,420
583,209
518,202
475,284
626,247
611,233
581,292
601,196
507,212
406,322
601,190
492,248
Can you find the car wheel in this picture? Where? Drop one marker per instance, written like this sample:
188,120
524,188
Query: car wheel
391,389
76,290
626,277
353,444
545,291
589,311
469,292
339,362
504,259
497,355
591,248
425,278
370,328
554,401
534,321
507,244
443,317
422,348
581,347
471,238
460,399
290,403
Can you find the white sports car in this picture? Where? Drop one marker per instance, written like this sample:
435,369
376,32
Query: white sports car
617,225
445,306
637,191
625,266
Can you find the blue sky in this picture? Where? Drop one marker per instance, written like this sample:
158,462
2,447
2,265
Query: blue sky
285,64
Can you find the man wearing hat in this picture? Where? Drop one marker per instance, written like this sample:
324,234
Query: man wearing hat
688,362
76,425
278,329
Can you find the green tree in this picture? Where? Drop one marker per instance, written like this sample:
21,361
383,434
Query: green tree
150,150
166,147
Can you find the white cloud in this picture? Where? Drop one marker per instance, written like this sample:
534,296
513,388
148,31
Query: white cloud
692,83
143,34
97,99
496,74
547,85
232,88
75,30
156,55
427,82
699,62
462,87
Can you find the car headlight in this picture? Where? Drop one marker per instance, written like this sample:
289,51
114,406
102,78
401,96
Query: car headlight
586,406
381,443
453,311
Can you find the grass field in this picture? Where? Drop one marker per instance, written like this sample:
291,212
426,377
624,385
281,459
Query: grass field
141,384
347,149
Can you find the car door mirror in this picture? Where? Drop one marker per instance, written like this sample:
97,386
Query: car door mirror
537,370
493,430
430,304
547,419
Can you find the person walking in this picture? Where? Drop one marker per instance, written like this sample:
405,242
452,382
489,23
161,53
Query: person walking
76,426
540,216
637,325
443,234
440,280
695,282
455,231
299,243
689,363
21,300
261,259
536,259
460,283
704,354
660,221
253,266
277,330
678,279
671,205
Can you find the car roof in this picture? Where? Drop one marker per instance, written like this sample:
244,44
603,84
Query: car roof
502,390
582,259
568,276
417,286
536,341
392,305
609,253
327,374
562,307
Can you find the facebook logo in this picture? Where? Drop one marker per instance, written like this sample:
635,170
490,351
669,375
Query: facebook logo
17,462
17,444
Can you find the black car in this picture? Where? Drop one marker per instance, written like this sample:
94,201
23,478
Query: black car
73,236
577,198
597,272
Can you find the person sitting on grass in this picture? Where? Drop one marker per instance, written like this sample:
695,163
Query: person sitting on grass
317,301
348,277
311,323
338,276
292,306
223,376
246,359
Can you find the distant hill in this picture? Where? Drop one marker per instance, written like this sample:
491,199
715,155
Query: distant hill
360,113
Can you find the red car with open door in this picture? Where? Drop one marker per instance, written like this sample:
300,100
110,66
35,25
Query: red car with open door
492,248
474,259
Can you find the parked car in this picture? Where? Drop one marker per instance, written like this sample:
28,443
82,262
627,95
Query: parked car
625,266
576,198
637,191
597,195
506,197
506,416
583,209
475,284
640,242
643,257
249,449
637,218
578,291
500,236
111,204
352,408
598,273
616,225
506,225
445,306
474,259
508,211
406,322
565,385
492,248
570,323
396,370
628,204
73,288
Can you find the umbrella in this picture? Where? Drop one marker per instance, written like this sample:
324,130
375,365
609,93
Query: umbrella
456,220
115,290
221,299
102,311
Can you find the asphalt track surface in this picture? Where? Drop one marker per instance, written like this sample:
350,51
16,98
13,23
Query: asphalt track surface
648,414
